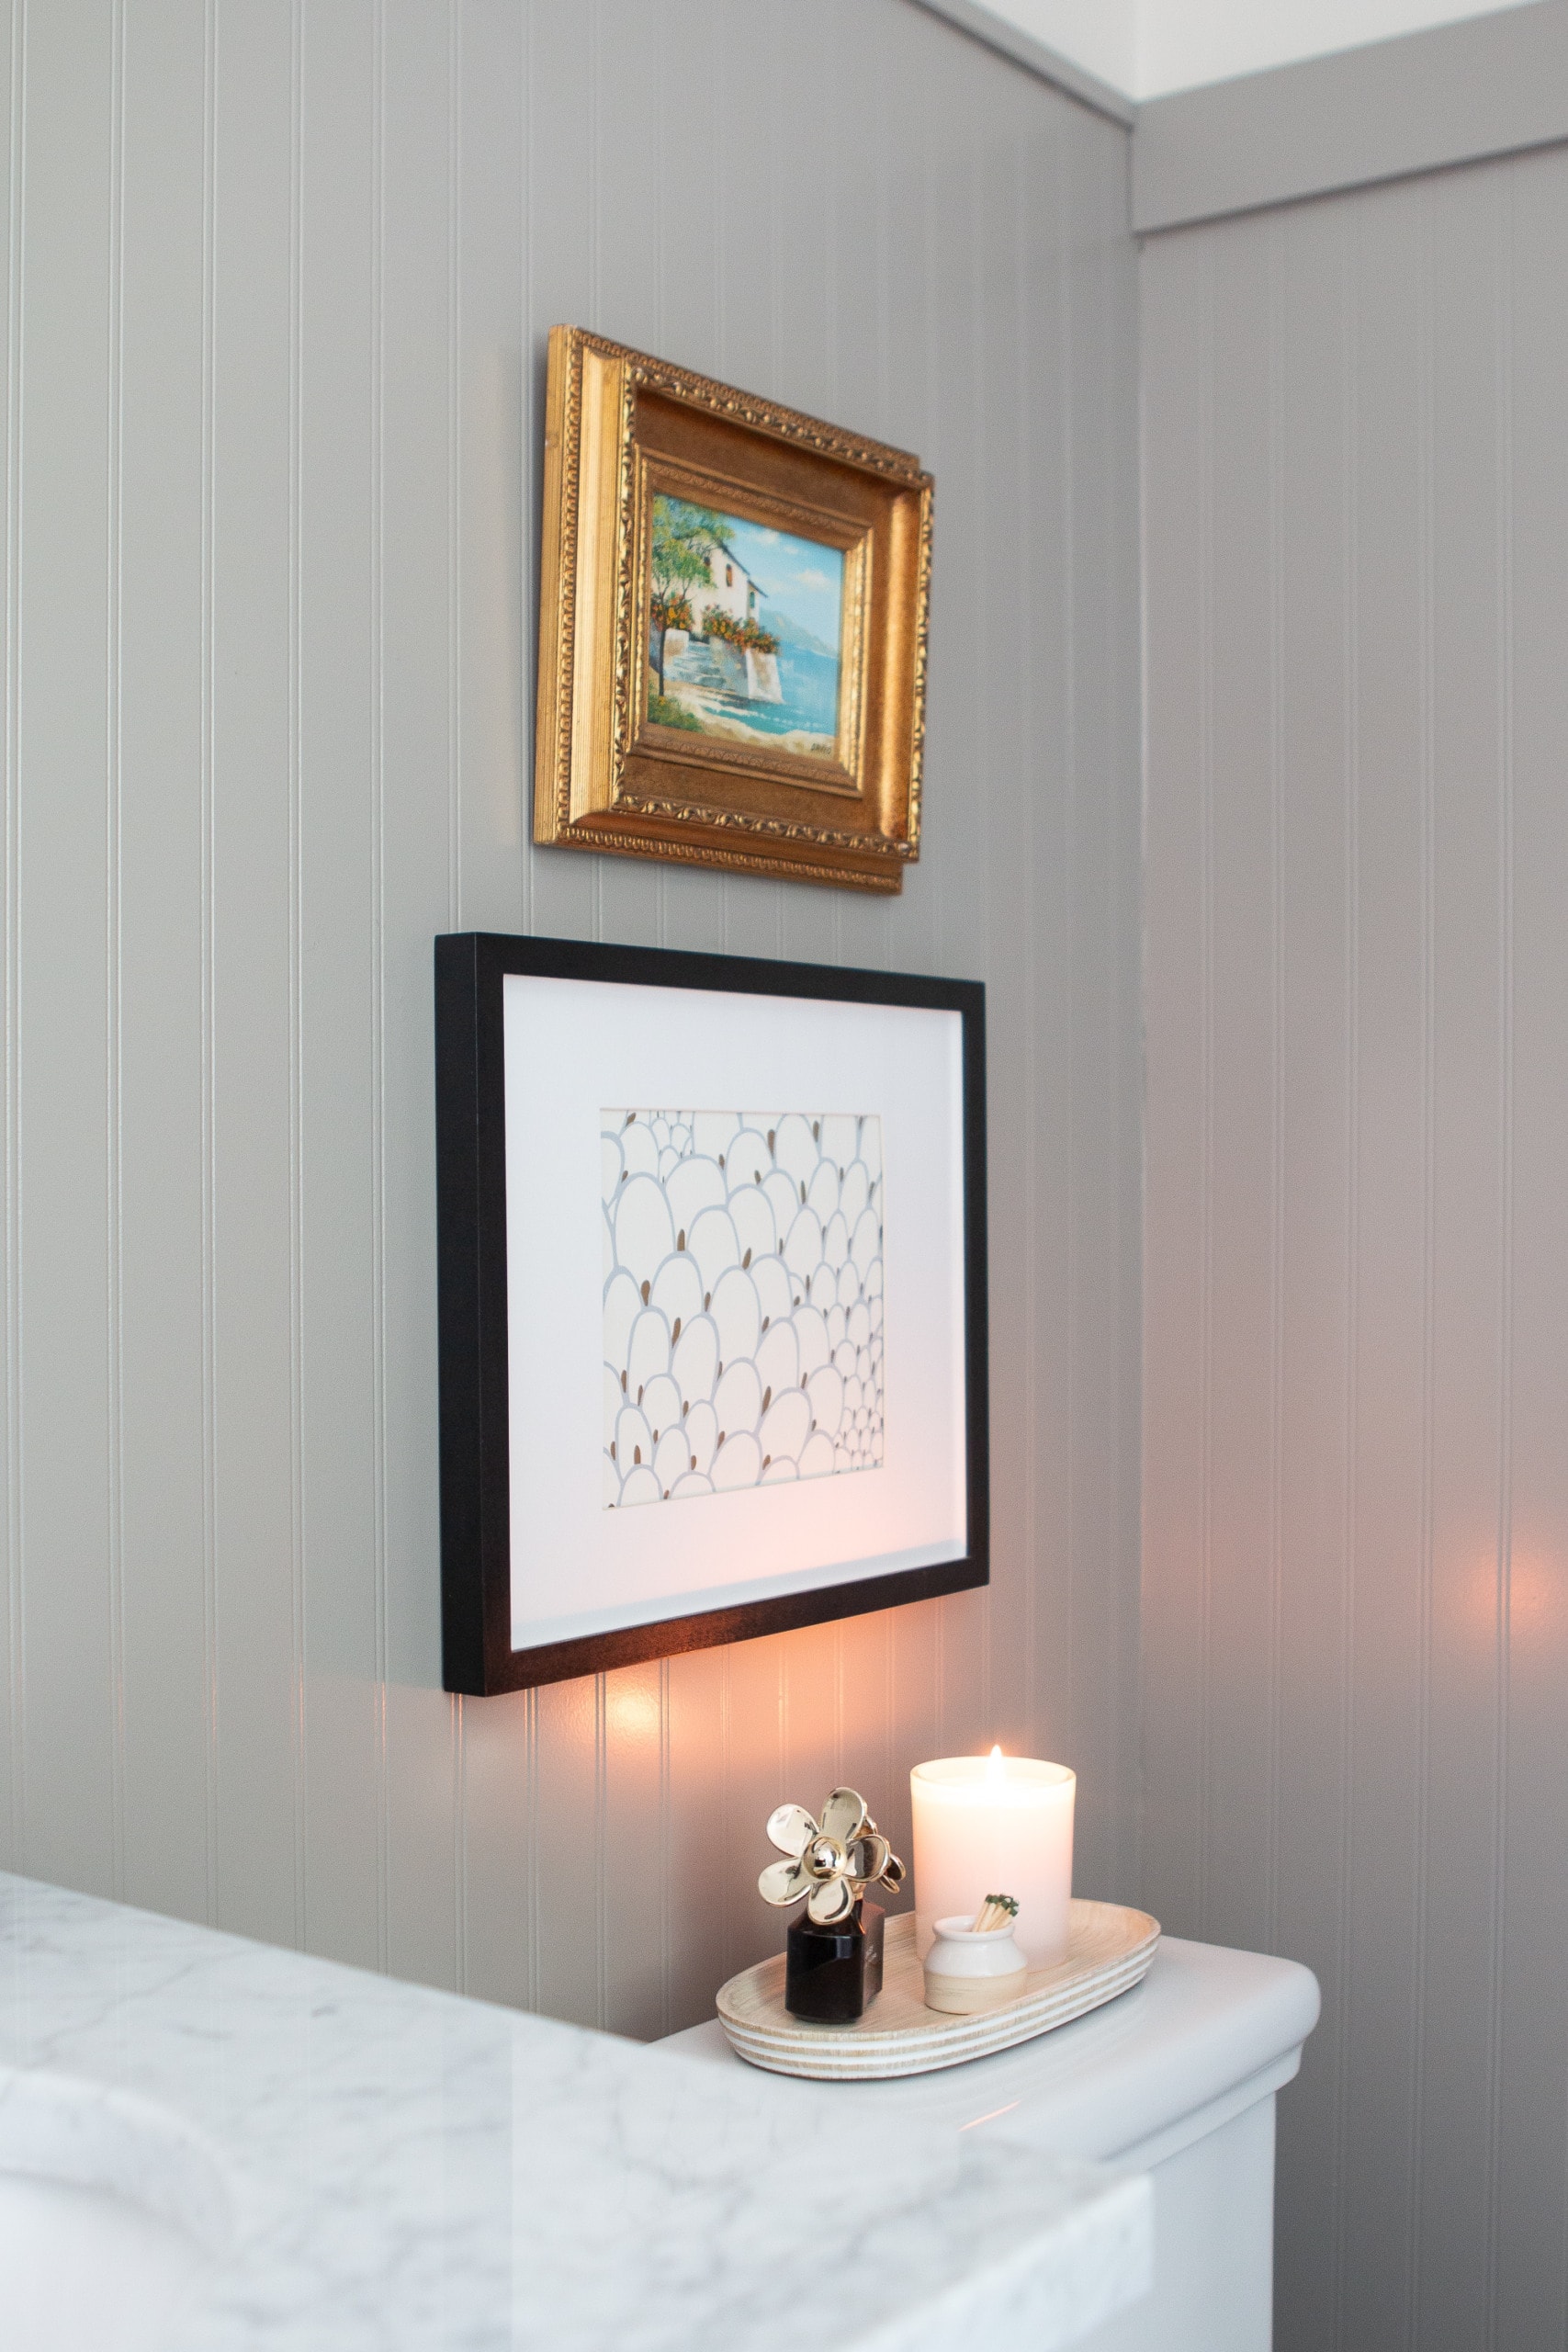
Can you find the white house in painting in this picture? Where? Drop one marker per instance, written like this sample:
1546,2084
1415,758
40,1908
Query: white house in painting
732,587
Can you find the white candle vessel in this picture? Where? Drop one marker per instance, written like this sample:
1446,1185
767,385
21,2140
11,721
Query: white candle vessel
970,1969
995,1825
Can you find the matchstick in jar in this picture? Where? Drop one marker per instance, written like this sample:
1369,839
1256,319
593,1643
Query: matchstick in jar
996,1911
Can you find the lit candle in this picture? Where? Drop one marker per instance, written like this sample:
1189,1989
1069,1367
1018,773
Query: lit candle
995,1825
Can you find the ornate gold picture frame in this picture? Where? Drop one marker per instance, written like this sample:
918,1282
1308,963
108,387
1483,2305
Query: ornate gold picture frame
732,627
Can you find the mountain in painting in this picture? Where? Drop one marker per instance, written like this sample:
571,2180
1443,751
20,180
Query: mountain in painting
794,632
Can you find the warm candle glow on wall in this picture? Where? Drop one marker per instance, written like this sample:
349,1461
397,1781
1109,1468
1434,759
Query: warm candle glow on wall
995,1824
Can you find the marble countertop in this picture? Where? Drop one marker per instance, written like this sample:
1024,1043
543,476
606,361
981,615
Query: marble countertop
409,2168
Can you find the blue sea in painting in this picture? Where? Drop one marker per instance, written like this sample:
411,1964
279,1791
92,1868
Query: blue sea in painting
810,683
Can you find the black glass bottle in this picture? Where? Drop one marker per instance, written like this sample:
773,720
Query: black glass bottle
825,1971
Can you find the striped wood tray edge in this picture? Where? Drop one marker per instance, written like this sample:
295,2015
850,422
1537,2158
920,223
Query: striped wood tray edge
1110,1949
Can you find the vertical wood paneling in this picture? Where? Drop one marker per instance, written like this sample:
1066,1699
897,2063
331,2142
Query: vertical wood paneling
64,785
279,298
1460,1922
1316,861
1355,1287
1530,2162
338,924
1393,1338
12,1761
1176,309
1097,1419
256,1695
1239,1016
415,695
157,1114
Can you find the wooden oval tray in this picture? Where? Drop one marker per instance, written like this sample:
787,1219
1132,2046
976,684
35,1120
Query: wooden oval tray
1108,1952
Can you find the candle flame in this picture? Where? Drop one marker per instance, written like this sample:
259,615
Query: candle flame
995,1770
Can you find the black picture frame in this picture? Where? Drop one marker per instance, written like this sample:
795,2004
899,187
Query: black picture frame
475,1579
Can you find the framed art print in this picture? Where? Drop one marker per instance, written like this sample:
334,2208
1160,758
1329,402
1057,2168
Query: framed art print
712,1264
732,627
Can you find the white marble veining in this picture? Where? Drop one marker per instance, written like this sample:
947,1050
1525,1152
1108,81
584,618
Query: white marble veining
407,2169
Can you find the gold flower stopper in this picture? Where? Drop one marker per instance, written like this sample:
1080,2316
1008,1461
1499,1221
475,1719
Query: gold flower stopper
831,1862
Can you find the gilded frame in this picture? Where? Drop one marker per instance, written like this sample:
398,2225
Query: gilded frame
620,428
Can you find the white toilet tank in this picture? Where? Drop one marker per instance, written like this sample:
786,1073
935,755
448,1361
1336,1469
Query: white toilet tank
1178,2079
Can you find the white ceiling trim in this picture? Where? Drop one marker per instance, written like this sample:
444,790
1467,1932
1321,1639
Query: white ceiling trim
1114,52
1036,56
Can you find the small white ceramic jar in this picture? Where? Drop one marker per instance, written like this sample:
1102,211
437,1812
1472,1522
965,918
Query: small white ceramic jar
969,1970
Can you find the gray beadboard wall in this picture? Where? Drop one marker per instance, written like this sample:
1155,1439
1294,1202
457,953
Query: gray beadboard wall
1355,1615
278,283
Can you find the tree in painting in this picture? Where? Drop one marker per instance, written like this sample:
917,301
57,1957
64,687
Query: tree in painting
684,538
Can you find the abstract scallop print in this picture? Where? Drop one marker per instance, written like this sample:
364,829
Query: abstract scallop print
742,1299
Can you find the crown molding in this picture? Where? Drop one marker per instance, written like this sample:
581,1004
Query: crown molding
1458,94
1427,101
1034,57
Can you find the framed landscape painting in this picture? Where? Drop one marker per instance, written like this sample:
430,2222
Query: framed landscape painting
746,633
712,1252
732,627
